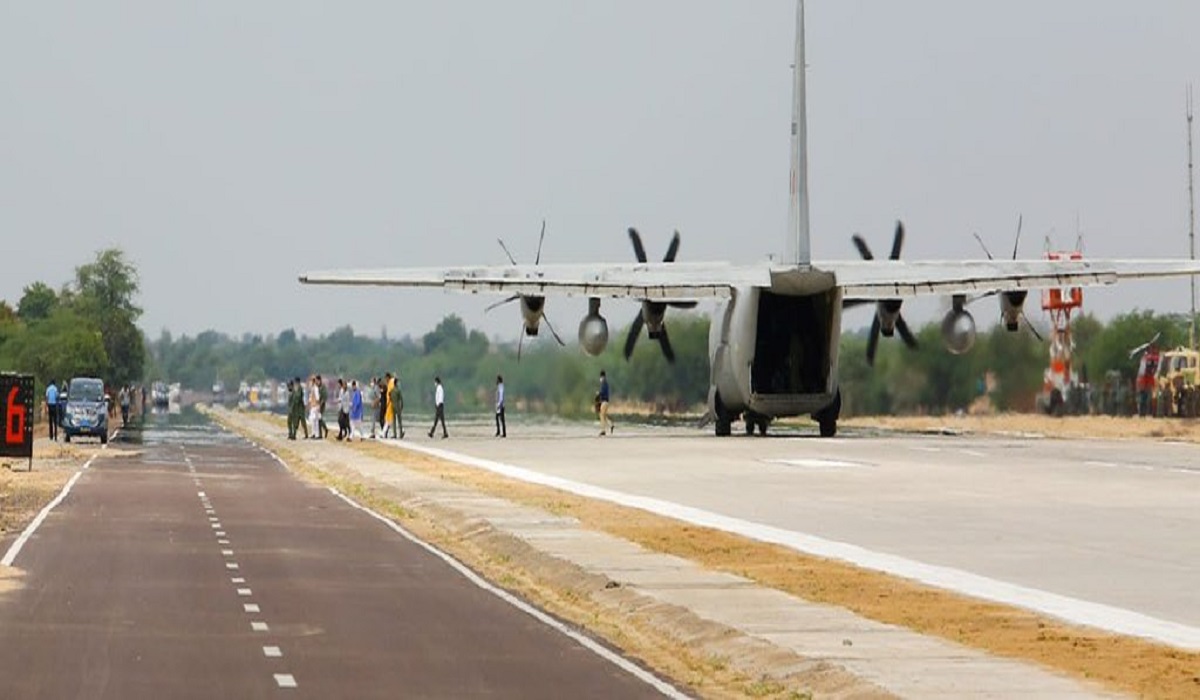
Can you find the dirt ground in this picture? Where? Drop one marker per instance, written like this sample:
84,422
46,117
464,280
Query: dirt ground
1106,427
23,493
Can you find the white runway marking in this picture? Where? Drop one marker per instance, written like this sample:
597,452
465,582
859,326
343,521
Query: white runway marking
812,463
222,541
227,552
259,627
1081,612
251,607
237,579
216,526
244,592
231,565
220,533
973,453
285,680
200,494
272,652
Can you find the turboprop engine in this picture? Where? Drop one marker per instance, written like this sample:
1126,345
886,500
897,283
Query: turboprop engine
593,330
1012,307
958,328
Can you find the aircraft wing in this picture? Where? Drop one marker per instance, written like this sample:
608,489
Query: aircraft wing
895,279
677,281
683,281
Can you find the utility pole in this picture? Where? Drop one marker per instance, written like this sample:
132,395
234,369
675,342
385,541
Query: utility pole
1191,220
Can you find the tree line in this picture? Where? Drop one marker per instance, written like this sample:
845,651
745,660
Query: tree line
88,327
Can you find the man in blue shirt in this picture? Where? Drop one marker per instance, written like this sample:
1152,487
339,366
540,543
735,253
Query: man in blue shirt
52,409
606,426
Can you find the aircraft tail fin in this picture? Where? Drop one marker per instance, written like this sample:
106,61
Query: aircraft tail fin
796,248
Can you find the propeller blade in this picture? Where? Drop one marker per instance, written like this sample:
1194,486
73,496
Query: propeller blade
1020,220
682,304
541,238
863,250
520,340
1032,329
873,340
905,333
502,303
552,331
638,249
673,249
510,257
665,342
982,245
897,241
635,330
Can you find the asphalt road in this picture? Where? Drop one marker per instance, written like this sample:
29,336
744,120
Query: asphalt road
199,567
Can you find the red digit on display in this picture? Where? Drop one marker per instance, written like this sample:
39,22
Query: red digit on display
14,419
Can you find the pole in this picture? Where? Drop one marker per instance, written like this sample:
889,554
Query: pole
1191,220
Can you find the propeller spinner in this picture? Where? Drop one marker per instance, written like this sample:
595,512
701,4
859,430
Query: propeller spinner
652,313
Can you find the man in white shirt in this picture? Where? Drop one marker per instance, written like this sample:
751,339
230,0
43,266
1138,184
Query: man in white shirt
439,407
501,427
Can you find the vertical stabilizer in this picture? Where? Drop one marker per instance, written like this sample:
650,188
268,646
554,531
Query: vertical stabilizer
796,249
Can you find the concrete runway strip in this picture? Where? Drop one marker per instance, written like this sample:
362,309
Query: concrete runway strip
1104,533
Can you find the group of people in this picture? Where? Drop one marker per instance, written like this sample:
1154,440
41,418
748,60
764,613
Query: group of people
307,402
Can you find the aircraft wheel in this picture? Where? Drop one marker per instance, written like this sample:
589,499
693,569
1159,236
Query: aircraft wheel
104,439
749,425
827,417
762,426
723,421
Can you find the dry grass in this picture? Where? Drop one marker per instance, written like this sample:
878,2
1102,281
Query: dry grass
1105,427
23,493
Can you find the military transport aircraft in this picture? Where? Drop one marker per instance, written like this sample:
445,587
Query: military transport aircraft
773,343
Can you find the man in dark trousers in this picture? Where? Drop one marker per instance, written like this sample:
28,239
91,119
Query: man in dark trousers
52,409
439,407
396,402
322,396
501,426
296,410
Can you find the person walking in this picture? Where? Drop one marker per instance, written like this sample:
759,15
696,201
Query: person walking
382,388
343,399
396,404
389,413
52,409
439,407
356,410
123,399
606,426
322,397
501,426
291,410
314,409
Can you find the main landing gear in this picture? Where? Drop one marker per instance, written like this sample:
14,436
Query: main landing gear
827,417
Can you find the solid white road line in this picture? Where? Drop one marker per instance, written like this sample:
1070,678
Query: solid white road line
32,527
1099,615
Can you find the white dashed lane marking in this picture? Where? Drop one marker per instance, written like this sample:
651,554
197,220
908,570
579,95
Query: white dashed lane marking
285,680
282,680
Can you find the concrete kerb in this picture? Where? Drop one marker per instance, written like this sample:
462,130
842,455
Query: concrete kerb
761,632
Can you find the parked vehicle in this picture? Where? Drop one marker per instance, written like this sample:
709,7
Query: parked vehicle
86,410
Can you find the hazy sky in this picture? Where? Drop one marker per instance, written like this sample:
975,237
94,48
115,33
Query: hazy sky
227,147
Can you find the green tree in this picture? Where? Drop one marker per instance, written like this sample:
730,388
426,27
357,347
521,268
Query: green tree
38,300
105,290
